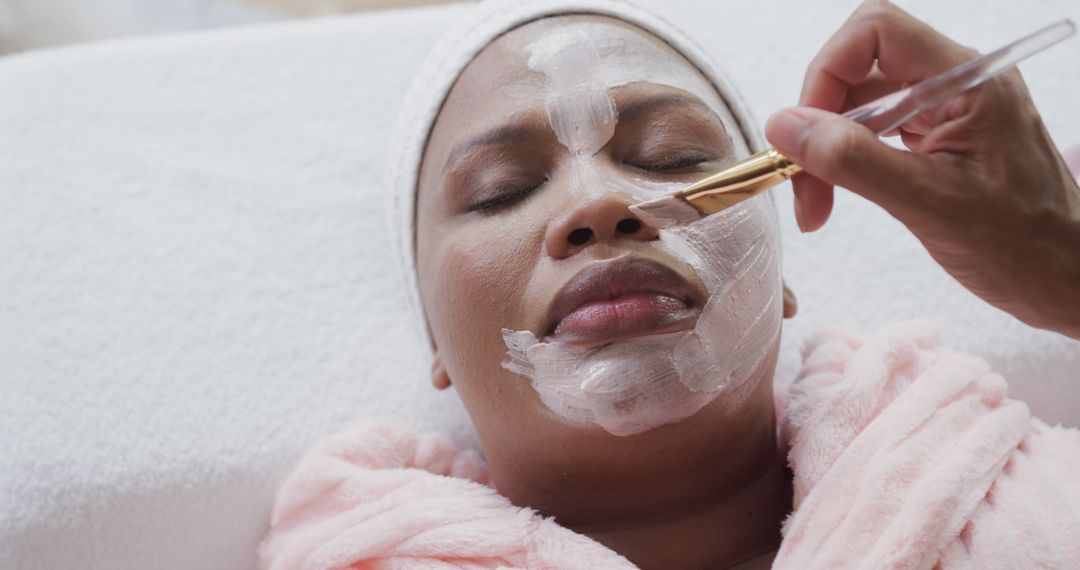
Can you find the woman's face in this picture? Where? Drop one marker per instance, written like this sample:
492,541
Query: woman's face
523,223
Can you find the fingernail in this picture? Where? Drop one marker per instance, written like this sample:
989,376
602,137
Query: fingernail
785,130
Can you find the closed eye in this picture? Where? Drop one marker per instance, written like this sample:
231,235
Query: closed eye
504,197
672,163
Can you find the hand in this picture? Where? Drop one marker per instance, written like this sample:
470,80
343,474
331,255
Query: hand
983,187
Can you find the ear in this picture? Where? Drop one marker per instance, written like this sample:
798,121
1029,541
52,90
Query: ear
791,306
440,379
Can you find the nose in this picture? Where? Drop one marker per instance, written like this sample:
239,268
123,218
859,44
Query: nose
603,219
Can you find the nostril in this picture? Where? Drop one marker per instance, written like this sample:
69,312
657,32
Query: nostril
580,236
628,226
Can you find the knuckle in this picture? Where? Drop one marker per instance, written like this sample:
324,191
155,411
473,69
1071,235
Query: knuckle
815,68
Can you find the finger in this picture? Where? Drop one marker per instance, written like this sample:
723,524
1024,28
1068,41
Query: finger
923,122
912,140
791,304
875,86
846,154
813,201
904,48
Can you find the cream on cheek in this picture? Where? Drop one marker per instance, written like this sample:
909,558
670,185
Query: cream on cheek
632,386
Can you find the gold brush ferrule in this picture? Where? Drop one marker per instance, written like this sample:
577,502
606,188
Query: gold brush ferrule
744,180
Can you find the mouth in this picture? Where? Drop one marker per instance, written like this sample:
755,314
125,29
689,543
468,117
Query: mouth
621,299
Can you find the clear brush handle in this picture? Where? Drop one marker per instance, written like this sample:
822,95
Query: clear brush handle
891,111
769,167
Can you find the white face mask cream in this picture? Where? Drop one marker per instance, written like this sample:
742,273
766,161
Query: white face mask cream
631,386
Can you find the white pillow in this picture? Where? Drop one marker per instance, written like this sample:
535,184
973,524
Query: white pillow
196,278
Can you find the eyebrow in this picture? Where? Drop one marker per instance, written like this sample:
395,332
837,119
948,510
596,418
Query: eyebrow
653,103
505,134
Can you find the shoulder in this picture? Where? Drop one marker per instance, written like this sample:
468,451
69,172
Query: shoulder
361,480
897,374
357,455
387,445
387,493
901,447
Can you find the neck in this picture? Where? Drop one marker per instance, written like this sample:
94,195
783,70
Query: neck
719,531
707,492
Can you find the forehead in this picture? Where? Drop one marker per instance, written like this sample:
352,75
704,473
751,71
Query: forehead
503,72
510,78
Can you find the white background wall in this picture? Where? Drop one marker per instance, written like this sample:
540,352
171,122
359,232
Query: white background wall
28,24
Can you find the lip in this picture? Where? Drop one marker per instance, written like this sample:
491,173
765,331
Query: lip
624,298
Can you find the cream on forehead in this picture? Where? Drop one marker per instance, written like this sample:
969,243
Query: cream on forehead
579,109
583,61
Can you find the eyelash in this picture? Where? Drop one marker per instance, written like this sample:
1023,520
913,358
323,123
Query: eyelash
504,197
674,162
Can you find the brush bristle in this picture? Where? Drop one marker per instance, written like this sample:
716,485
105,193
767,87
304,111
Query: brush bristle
666,212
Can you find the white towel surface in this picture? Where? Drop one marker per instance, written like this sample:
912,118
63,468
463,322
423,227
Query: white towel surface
196,275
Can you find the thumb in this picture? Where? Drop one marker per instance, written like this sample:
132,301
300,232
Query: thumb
844,153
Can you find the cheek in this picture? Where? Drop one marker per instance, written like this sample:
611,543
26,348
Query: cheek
475,284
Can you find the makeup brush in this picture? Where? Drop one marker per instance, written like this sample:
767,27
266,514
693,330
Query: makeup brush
766,169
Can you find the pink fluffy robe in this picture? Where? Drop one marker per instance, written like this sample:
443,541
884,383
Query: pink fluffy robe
905,455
